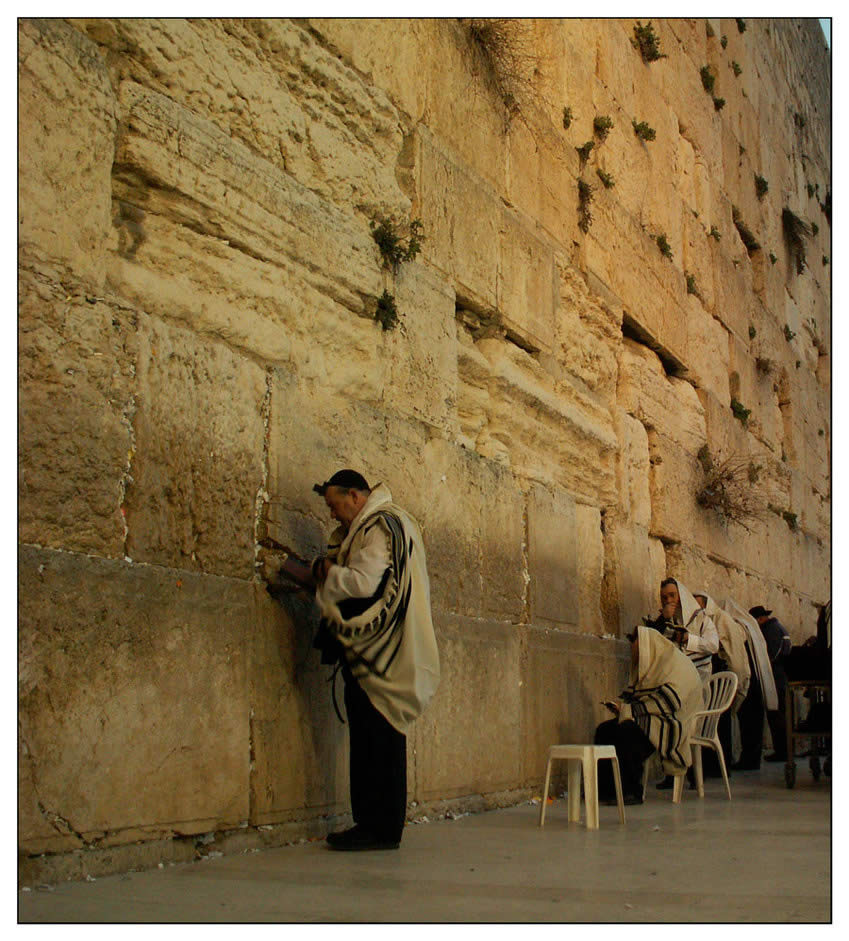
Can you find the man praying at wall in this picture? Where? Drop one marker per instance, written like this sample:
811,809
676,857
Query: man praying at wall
373,596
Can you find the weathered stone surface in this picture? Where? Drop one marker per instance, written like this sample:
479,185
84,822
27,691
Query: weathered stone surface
565,677
76,371
196,469
133,700
198,287
553,557
66,134
299,749
469,740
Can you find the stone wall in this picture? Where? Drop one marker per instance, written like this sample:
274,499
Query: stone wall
197,347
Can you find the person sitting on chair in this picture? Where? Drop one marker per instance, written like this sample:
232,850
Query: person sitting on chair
654,712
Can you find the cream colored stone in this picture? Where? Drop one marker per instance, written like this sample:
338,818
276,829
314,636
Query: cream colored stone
590,567
553,558
133,697
633,469
77,357
196,469
66,131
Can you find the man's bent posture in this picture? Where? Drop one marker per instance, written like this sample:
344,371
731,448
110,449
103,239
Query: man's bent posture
374,598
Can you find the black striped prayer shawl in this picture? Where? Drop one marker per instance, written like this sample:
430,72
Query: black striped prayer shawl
665,692
387,640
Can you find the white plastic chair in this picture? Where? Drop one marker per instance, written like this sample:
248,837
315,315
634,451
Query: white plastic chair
583,758
719,692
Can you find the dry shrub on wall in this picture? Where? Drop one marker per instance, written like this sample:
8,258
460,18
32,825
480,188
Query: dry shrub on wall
730,489
505,57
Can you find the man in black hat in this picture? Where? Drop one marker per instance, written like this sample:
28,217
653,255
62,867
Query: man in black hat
373,595
778,646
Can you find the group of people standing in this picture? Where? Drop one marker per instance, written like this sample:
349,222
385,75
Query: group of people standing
672,658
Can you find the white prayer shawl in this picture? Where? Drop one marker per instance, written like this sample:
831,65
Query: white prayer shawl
760,655
665,692
703,639
387,637
732,642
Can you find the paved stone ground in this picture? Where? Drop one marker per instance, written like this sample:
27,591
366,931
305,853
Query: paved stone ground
765,856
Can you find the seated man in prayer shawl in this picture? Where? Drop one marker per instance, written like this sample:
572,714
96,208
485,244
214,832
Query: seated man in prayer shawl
373,596
761,693
732,656
687,625
654,713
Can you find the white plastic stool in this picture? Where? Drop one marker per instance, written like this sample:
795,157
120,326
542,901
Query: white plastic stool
588,756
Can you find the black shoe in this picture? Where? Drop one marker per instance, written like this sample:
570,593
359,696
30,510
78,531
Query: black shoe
774,757
357,839
631,799
666,784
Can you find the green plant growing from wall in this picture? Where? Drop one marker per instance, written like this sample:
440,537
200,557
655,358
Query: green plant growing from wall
718,104
752,332
567,118
714,233
811,190
761,186
763,365
788,333
735,68
708,78
692,287
824,260
602,124
386,313
643,130
825,206
741,26
799,119
723,42
585,197
798,363
663,245
791,519
647,42
773,257
606,178
584,151
397,247
795,231
815,229
821,432
741,413
754,472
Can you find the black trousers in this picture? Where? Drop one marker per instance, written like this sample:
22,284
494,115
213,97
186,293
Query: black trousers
378,766
751,718
632,748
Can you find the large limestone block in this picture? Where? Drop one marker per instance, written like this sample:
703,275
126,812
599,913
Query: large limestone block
544,428
635,563
66,134
589,537
526,286
472,516
667,404
697,258
553,560
633,469
469,739
565,677
421,352
624,258
133,701
588,333
272,85
197,468
77,396
707,341
219,219
461,216
299,749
